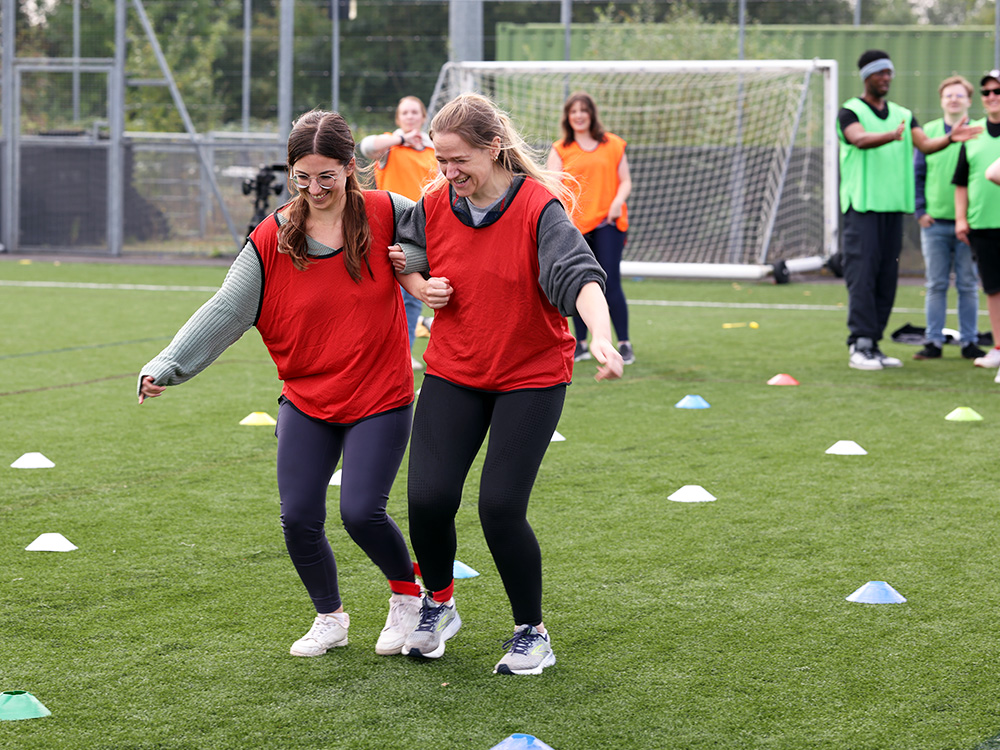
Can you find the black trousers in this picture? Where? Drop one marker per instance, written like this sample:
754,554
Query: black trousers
449,427
872,243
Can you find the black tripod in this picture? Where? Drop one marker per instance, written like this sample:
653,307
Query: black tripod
262,186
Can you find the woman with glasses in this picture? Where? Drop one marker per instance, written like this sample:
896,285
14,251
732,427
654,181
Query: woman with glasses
404,163
494,226
595,160
317,266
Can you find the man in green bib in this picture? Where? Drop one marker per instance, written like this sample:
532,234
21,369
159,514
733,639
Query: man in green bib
877,190
977,207
943,252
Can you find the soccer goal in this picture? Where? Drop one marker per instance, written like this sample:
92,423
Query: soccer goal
734,163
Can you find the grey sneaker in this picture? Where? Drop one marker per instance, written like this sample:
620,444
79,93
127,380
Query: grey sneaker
326,632
528,652
628,356
863,356
404,614
438,623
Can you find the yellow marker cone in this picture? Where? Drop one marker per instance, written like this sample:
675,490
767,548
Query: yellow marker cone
258,418
964,414
734,325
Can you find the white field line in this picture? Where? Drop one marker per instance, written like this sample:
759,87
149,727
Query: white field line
639,302
107,287
756,306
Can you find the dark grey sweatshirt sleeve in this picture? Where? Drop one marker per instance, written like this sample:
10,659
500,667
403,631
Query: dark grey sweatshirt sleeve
566,263
214,327
411,232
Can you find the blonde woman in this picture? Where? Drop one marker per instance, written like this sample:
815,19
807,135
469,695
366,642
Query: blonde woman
498,236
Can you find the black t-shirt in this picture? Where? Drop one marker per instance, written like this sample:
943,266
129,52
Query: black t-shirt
961,177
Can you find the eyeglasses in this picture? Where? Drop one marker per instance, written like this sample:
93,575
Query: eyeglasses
326,181
987,92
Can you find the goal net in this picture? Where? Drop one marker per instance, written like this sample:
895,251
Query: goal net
733,163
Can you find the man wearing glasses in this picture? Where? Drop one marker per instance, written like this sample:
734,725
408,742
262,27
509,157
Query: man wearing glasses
942,250
877,189
977,207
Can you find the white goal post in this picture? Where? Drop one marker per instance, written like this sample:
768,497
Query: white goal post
734,162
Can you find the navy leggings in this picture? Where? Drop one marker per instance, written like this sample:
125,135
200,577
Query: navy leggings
308,451
608,242
449,427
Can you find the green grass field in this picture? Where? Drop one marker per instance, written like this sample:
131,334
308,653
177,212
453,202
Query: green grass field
676,625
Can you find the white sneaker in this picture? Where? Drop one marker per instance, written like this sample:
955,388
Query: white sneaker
863,358
997,378
992,359
885,359
416,364
404,615
327,631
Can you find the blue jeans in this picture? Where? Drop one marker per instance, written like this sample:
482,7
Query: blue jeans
943,252
413,309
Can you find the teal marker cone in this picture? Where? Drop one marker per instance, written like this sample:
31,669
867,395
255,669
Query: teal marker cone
17,704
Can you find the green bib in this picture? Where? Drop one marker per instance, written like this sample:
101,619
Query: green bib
984,196
878,179
938,190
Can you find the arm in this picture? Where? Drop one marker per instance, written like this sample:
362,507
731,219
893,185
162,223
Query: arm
210,331
593,308
624,189
958,134
376,146
962,213
857,136
993,172
554,162
920,174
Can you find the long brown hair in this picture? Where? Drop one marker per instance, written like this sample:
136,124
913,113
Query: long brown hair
477,121
326,134
597,131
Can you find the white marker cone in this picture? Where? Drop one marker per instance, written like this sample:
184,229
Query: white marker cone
335,479
846,448
52,542
877,592
692,493
556,437
32,461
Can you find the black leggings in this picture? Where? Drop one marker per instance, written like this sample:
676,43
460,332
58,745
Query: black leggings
449,427
308,451
608,244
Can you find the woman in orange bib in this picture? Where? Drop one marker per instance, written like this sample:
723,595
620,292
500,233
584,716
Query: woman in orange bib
596,160
404,163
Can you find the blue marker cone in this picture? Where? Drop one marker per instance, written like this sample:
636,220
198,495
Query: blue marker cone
460,570
692,402
877,592
521,742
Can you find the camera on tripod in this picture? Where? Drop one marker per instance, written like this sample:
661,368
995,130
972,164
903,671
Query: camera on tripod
262,186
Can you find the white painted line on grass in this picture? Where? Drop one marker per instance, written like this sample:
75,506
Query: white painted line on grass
755,306
108,287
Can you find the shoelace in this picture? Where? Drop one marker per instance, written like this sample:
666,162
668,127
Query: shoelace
319,627
429,617
521,642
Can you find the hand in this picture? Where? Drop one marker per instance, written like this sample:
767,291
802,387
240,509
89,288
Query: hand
898,134
436,292
607,355
962,230
149,389
397,257
925,221
413,139
614,212
964,132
